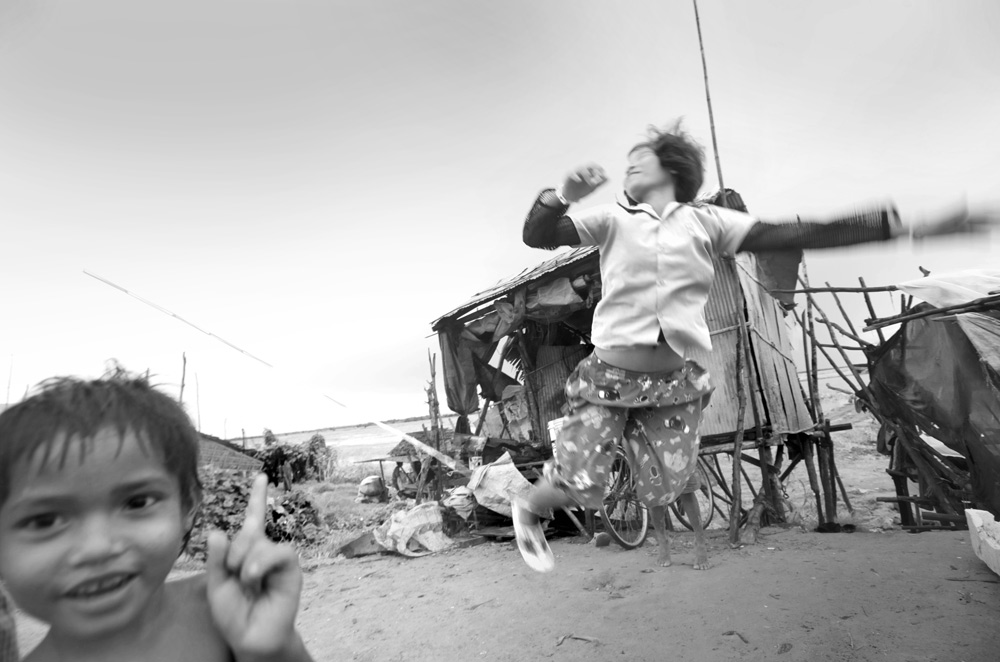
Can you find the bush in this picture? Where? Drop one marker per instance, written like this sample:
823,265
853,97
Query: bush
307,461
291,516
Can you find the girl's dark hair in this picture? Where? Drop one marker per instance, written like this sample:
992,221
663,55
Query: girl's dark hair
68,407
679,155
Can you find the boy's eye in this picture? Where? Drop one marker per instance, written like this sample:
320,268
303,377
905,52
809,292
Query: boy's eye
40,522
141,501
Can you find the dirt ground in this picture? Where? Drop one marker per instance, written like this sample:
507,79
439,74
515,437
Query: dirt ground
876,594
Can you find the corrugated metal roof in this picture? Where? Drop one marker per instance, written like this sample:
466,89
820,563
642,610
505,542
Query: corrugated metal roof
525,277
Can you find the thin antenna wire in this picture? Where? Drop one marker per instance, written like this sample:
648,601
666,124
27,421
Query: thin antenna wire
451,463
708,98
177,317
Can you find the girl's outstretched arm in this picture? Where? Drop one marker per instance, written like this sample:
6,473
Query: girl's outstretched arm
879,224
859,228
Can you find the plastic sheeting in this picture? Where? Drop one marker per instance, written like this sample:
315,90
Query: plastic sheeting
954,288
941,375
415,532
495,484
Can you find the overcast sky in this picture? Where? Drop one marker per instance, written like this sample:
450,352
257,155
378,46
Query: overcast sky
315,181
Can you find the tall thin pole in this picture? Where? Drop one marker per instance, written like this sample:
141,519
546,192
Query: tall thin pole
184,365
197,399
10,376
708,98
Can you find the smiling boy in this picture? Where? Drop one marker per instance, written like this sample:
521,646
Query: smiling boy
98,494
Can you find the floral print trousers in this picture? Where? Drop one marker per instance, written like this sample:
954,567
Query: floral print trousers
656,414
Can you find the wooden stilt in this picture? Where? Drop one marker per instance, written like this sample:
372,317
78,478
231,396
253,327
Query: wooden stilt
807,453
769,481
827,483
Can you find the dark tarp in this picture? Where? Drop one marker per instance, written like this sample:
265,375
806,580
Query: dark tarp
942,374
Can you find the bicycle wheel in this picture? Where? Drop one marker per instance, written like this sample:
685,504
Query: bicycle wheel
625,518
706,501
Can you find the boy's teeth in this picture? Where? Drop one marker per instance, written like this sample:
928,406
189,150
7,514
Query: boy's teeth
101,587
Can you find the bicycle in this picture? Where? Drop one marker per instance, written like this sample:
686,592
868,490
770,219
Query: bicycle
626,518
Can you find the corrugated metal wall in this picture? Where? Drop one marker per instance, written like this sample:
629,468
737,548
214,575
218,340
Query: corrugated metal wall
776,383
722,315
772,348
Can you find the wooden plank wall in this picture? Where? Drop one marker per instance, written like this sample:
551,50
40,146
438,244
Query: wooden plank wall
722,315
772,348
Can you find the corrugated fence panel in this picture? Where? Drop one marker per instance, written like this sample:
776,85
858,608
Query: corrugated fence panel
548,380
772,348
722,315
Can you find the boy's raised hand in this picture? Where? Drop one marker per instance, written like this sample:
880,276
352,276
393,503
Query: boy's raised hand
254,586
583,181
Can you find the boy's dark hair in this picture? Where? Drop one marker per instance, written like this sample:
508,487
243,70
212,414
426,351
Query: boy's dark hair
68,407
679,155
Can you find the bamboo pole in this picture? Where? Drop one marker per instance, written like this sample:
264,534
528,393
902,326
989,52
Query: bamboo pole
808,363
197,399
871,309
840,483
537,424
482,416
828,488
854,332
771,485
807,454
823,455
970,306
807,289
708,100
10,376
184,365
737,489
435,414
850,365
744,342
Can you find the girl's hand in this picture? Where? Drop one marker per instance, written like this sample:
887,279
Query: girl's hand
254,587
583,181
958,221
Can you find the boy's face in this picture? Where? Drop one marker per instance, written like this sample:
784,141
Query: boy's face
87,547
644,173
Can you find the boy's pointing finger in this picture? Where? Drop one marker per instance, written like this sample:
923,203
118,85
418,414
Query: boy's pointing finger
253,521
253,527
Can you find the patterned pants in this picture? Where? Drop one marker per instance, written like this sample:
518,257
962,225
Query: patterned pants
656,414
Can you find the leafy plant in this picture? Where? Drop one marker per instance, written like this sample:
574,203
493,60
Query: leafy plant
291,516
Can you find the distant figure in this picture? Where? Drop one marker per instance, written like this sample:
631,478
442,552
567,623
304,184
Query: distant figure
640,385
98,494
404,481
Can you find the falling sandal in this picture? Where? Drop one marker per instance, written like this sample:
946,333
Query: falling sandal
530,539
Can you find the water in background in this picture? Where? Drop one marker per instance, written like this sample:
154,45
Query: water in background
355,442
